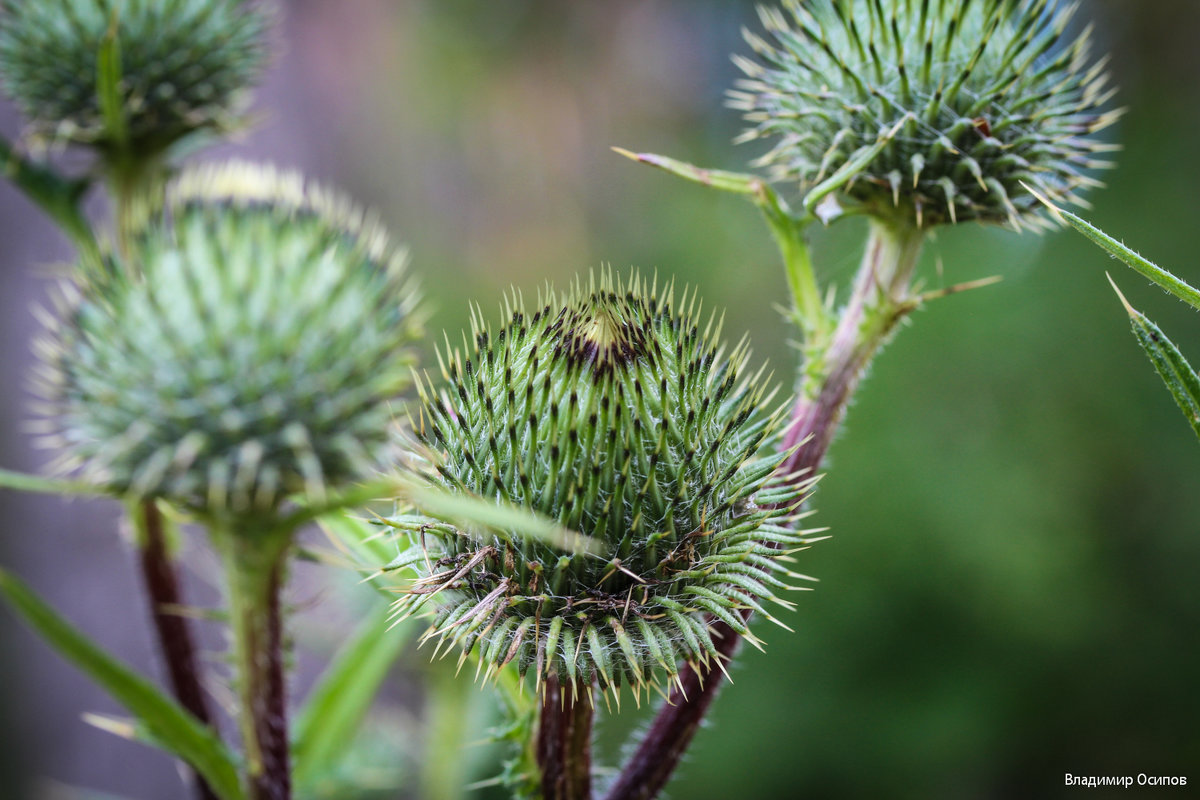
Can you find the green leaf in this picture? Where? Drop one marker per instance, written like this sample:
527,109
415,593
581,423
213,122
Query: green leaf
856,164
354,497
326,725
1172,367
168,725
108,83
736,182
55,195
1165,280
467,510
786,228
370,546
21,482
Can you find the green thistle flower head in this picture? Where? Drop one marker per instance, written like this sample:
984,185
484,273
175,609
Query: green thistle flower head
247,346
925,112
613,410
184,65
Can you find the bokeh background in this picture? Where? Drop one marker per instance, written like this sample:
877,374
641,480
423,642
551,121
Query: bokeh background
1010,593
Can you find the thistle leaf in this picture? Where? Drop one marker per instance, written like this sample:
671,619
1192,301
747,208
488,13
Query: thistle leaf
475,511
21,482
1148,269
368,544
327,724
1172,367
167,724
734,182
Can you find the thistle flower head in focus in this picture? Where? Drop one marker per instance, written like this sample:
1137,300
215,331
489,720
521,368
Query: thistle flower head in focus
183,66
925,112
613,410
246,347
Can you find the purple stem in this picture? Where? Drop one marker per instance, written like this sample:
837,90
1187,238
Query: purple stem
175,639
564,743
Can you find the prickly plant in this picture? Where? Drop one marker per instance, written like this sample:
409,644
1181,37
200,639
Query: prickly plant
612,409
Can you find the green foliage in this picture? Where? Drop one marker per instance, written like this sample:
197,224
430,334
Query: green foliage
248,347
1178,376
130,75
925,113
1143,266
1180,379
334,710
166,724
613,410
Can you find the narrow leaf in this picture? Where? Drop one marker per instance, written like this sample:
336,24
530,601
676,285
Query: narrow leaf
466,510
1172,367
856,164
1145,267
354,497
55,195
735,182
168,725
21,482
331,716
369,545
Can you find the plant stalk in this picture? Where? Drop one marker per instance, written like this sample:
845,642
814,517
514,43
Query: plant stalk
564,742
880,298
174,632
254,567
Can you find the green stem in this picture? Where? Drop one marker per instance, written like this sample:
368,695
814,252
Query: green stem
254,567
58,197
788,233
137,187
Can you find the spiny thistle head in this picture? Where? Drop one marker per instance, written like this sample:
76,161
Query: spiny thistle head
183,65
613,410
932,111
246,346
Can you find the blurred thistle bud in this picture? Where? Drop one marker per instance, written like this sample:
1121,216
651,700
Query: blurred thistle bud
247,346
925,112
613,411
173,67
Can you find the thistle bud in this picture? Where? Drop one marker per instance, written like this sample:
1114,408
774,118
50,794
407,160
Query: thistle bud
183,65
924,112
611,409
247,346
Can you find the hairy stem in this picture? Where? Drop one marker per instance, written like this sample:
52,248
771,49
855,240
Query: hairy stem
879,300
174,633
564,742
254,566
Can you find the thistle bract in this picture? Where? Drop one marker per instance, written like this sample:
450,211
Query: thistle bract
248,345
183,65
613,411
927,111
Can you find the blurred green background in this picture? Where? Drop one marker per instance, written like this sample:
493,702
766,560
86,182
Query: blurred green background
1010,593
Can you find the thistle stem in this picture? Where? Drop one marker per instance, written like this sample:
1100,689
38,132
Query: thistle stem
880,298
564,742
174,633
254,566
